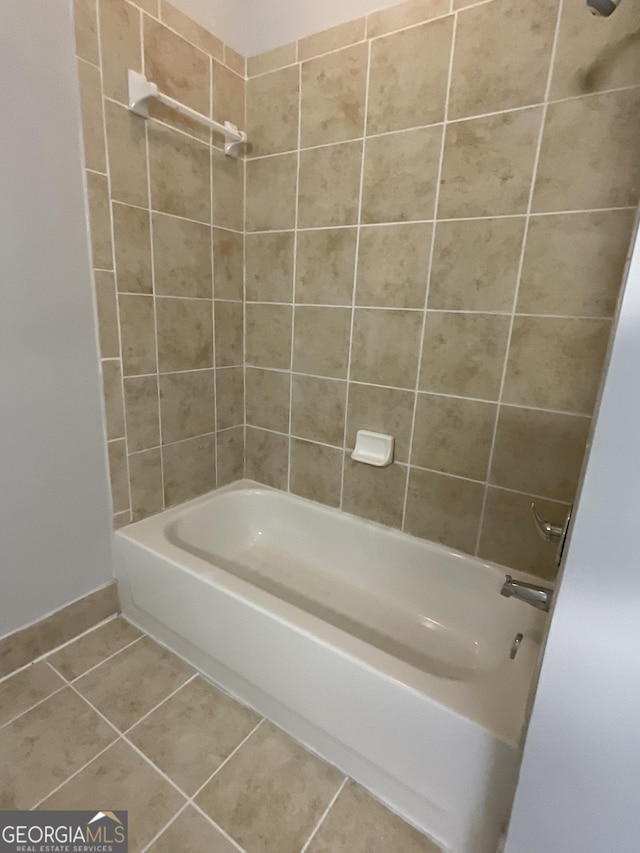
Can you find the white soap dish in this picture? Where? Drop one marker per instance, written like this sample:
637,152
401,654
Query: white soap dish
373,448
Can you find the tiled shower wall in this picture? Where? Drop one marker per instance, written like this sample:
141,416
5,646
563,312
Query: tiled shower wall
167,232
439,203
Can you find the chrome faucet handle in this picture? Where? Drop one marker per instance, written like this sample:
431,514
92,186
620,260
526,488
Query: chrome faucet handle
549,532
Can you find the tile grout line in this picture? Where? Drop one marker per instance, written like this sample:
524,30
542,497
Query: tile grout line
244,287
115,274
436,203
64,645
95,666
35,704
414,128
341,787
213,284
294,282
534,178
355,277
400,223
177,216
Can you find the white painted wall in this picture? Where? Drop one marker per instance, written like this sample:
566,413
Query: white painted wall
54,508
580,777
252,26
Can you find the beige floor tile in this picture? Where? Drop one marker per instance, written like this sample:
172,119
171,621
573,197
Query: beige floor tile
41,749
192,833
359,824
74,660
130,684
271,794
24,689
193,732
124,780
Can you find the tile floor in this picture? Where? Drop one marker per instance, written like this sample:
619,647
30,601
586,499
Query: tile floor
113,720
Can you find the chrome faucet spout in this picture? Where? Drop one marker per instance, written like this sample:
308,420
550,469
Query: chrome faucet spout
536,596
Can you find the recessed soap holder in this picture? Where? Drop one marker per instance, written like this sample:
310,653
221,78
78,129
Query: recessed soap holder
373,448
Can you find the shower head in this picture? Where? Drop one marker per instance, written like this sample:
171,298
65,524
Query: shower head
604,8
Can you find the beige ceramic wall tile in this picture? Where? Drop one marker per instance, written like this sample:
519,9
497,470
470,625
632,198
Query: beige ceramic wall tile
408,78
272,59
268,329
229,92
463,354
145,473
453,436
229,333
393,265
539,452
272,111
25,689
127,155
255,799
574,263
325,266
384,410
193,732
596,53
268,394
235,61
475,264
385,347
107,309
33,762
509,536
318,409
132,241
230,454
333,96
182,257
100,221
189,469
321,344
331,39
357,823
374,493
404,15
121,519
118,475
556,363
92,119
329,185
150,6
121,48
185,334
112,389
271,193
188,28
400,176
607,129
187,404
229,397
121,774
267,457
269,267
316,472
514,40
77,658
85,14
138,332
488,163
228,252
227,207
180,172
444,509
181,71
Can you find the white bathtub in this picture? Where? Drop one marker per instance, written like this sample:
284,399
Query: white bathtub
385,654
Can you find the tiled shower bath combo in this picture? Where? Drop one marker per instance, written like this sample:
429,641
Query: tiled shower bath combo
424,236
